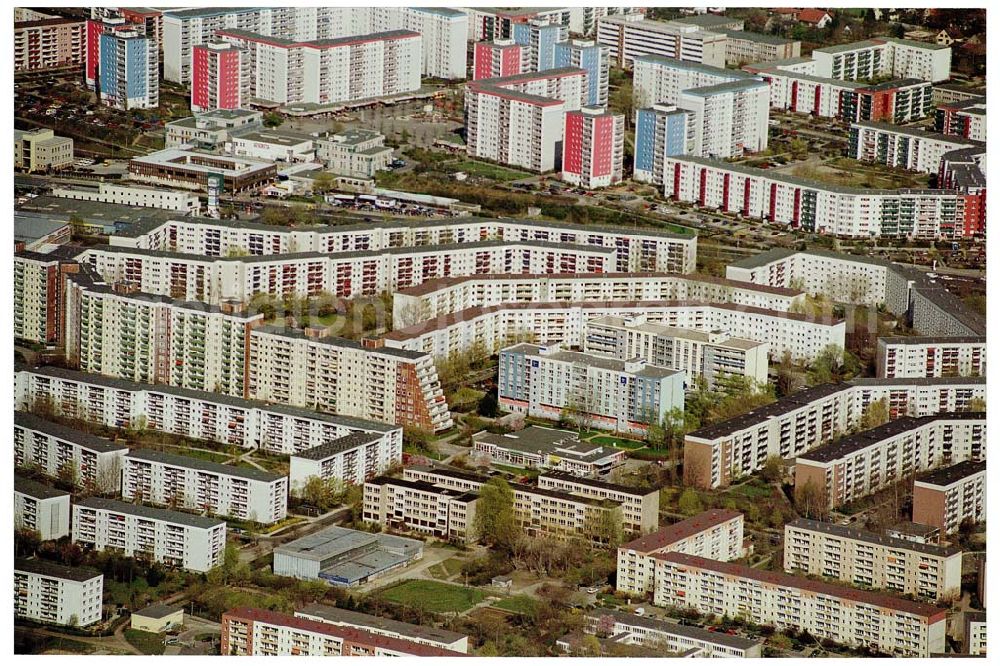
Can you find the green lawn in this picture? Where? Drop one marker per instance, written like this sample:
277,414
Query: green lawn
518,471
618,442
487,170
434,597
521,604
146,642
200,455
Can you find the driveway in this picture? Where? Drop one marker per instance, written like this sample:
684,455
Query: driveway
193,626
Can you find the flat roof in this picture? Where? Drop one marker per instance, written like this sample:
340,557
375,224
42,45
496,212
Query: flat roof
675,629
296,412
932,340
855,534
334,540
728,86
919,133
151,513
342,615
355,636
853,46
339,445
31,226
593,360
280,331
671,534
187,462
278,138
84,439
922,610
180,157
948,475
707,21
596,483
896,83
852,443
674,63
917,381
423,486
757,37
775,409
47,568
158,610
96,211
36,489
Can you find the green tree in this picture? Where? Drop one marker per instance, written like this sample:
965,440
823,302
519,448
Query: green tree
273,119
607,526
489,406
771,471
323,182
833,364
689,502
320,493
494,522
777,519
811,500
875,414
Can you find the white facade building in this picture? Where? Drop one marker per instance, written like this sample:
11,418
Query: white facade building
126,195
54,594
40,508
176,539
925,356
889,56
351,459
631,35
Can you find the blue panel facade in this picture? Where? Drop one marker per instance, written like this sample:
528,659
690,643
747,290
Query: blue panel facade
645,134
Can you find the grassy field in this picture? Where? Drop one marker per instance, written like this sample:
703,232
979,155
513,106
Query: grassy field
617,442
144,641
487,170
211,456
521,604
434,597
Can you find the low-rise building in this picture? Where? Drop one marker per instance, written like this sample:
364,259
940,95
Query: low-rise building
384,626
354,152
547,448
141,197
241,493
41,150
947,497
930,356
258,632
55,594
272,145
192,170
173,538
595,390
857,465
61,452
873,561
712,355
845,615
672,637
40,508
345,557
158,618
212,129
716,534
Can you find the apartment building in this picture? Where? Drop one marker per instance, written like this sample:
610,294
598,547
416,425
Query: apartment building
258,632
716,534
965,119
489,23
946,497
536,447
216,80
211,129
54,594
204,415
661,80
963,170
593,147
421,507
671,637
154,339
217,280
661,130
167,479
128,75
383,626
717,454
493,327
592,57
130,195
975,633
640,506
540,512
631,35
40,150
38,296
599,391
518,120
713,355
888,56
729,119
61,452
354,152
538,38
906,147
184,540
935,311
868,560
928,356
350,459
444,296
812,205
40,508
326,71
343,376
49,43
858,465
496,59
634,250
851,617
744,47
